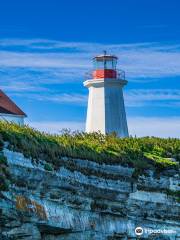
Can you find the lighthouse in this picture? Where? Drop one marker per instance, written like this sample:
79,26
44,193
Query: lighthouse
106,110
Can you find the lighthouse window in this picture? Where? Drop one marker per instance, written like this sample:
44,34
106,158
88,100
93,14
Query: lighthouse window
110,64
105,63
99,64
114,63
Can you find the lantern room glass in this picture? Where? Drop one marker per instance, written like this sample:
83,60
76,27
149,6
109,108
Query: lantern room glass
105,63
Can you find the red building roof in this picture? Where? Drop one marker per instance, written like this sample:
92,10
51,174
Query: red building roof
7,106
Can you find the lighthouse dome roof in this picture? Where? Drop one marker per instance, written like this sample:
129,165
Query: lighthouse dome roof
105,56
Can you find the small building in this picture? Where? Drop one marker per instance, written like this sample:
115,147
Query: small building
9,111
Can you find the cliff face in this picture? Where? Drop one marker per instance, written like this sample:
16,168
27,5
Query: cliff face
96,202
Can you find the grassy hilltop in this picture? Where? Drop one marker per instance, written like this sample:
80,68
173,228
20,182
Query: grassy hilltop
141,153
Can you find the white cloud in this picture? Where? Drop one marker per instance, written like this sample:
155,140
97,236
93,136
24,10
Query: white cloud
157,97
61,98
133,98
139,126
49,96
156,126
56,126
42,60
139,60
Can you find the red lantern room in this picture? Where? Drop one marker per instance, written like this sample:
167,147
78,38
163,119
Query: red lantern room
105,66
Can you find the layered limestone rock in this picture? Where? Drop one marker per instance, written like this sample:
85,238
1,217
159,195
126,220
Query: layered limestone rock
85,200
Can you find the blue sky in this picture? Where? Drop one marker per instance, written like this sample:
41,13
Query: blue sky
47,46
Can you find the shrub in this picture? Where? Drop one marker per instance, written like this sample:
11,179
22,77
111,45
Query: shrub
48,167
161,161
140,153
175,194
3,160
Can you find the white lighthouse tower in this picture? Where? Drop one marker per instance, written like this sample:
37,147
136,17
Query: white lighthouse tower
106,111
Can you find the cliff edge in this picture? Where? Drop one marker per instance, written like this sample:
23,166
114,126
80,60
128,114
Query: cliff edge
115,185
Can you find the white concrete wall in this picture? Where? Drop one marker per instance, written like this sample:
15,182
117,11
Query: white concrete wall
12,118
106,111
96,110
115,116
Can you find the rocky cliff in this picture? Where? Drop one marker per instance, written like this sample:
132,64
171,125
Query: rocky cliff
87,200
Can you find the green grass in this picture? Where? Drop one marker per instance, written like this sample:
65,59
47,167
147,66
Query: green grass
140,153
175,194
48,167
164,162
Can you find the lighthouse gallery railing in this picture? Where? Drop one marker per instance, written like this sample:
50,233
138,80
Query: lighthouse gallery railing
121,75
